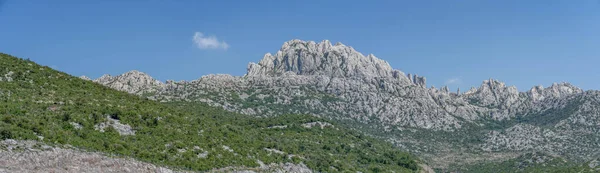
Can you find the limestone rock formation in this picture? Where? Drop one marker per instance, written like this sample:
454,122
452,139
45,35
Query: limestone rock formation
85,78
310,58
133,82
31,156
538,93
417,80
122,129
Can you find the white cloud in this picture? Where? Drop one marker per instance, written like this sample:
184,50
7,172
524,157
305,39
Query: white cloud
208,42
453,81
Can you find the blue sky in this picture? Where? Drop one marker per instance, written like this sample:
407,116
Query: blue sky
455,43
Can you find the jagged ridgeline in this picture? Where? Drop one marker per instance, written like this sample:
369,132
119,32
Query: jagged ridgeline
492,123
39,103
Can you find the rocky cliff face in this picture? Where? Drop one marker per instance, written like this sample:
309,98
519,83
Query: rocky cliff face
339,82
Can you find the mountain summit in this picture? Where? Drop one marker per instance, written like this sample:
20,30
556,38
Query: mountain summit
310,58
132,81
341,61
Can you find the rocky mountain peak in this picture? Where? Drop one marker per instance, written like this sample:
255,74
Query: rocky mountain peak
493,85
556,90
85,78
104,77
471,91
311,58
133,82
493,93
135,72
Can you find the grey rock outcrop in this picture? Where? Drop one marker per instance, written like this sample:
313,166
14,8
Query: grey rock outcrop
539,93
133,82
310,58
417,80
270,168
122,129
318,124
7,77
31,156
85,78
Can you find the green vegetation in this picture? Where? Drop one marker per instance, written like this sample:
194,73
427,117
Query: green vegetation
553,116
39,103
530,163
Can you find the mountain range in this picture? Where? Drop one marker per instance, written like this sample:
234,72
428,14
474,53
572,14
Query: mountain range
51,121
462,131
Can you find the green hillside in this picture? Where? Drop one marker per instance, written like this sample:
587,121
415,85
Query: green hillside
529,162
39,103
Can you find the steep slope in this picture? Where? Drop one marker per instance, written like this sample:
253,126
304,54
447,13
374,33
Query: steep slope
39,103
363,92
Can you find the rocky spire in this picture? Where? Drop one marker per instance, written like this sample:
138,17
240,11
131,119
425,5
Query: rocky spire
417,80
445,90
